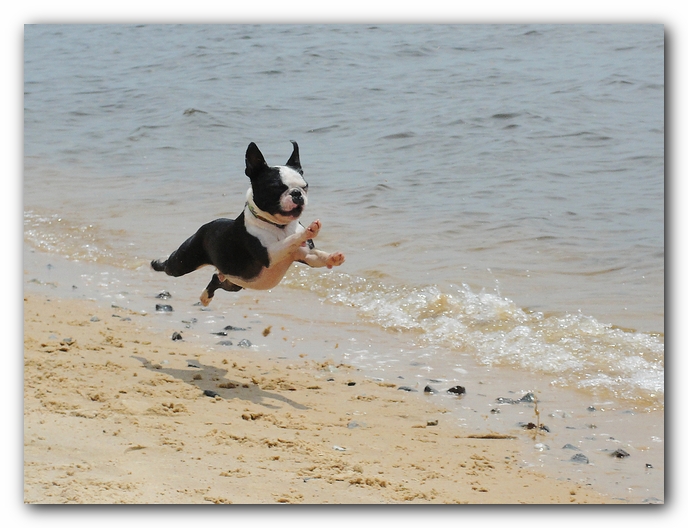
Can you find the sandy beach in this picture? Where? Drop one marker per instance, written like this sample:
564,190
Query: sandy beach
114,413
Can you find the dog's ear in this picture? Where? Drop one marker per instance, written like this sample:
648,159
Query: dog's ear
294,161
255,162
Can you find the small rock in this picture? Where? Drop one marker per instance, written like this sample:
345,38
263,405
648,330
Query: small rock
591,409
163,308
432,422
495,411
225,343
244,343
163,295
351,384
571,446
580,458
429,389
407,389
457,390
353,424
648,466
176,336
210,393
338,448
221,334
94,319
620,453
528,398
231,328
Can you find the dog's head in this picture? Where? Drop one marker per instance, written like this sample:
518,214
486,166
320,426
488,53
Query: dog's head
279,191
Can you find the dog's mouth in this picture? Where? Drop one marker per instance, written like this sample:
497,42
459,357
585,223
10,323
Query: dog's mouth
293,213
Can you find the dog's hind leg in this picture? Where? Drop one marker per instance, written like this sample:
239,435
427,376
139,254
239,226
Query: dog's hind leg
215,284
190,256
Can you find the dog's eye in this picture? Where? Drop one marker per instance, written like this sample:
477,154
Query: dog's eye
306,188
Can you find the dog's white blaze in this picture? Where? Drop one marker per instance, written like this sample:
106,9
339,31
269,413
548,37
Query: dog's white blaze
293,180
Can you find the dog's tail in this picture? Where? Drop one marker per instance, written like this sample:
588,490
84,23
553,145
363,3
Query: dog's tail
157,265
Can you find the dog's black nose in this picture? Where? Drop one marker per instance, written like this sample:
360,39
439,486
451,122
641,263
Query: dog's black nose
296,197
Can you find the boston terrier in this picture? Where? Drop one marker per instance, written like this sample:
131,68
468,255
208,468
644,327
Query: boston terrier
256,249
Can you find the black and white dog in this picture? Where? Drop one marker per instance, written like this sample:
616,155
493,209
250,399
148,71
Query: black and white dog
256,249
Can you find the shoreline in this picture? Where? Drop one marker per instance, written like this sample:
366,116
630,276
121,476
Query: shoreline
277,430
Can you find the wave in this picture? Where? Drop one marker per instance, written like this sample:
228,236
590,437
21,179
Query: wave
574,349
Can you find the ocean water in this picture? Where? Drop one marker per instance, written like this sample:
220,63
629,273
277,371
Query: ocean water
498,190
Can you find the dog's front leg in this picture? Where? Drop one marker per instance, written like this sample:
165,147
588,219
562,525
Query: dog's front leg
281,250
318,259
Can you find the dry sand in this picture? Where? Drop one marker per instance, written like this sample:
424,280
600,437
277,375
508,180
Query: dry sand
114,413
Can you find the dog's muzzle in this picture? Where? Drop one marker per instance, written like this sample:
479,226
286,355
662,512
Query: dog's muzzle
296,197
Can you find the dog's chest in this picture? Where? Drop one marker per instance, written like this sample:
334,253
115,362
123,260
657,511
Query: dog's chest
269,234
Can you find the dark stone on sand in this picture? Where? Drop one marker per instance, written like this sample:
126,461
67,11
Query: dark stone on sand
193,363
176,336
163,308
94,319
225,343
495,411
531,425
231,328
244,343
620,453
222,334
351,384
591,409
407,389
457,390
163,295
431,423
571,446
648,466
580,458
429,389
528,398
210,393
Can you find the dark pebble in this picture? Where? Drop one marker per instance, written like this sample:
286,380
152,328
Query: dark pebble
330,379
163,308
231,328
571,446
407,389
219,333
225,343
495,411
648,466
210,393
457,390
501,399
193,363
591,409
429,389
531,425
163,295
580,458
528,398
351,384
176,336
244,343
620,453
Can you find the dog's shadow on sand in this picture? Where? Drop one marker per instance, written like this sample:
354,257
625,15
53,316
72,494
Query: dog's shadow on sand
212,381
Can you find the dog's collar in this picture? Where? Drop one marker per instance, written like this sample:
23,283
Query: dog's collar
256,215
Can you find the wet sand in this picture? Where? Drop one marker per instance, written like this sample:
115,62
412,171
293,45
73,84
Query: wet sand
115,413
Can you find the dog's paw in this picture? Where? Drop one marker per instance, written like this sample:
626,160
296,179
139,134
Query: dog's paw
335,259
205,298
312,230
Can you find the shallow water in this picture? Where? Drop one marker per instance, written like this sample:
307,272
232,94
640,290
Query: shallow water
498,189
